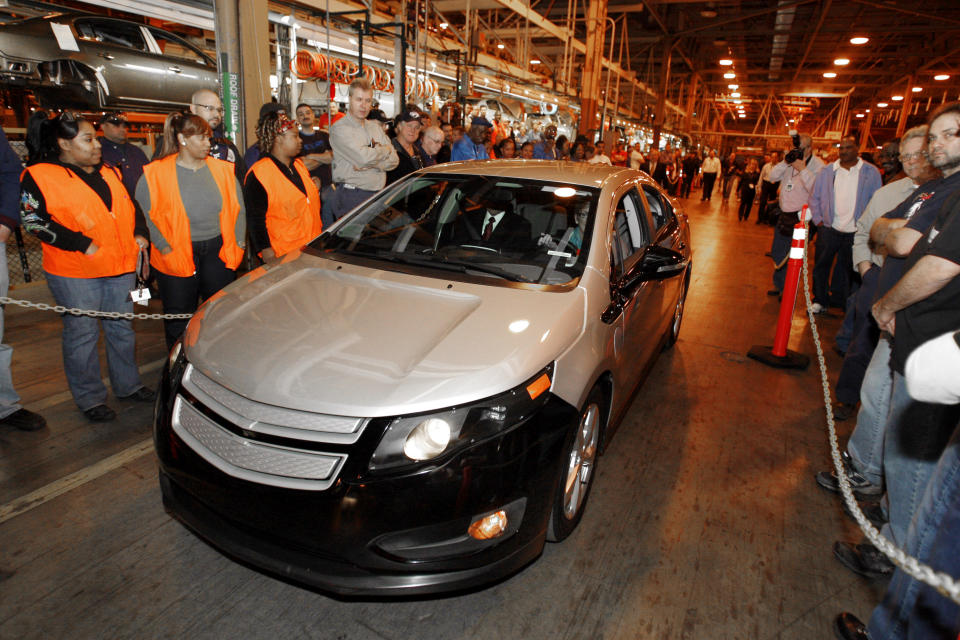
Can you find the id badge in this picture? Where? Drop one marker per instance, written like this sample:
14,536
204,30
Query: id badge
140,296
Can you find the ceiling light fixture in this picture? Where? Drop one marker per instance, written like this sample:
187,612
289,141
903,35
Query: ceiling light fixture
841,62
859,40
725,62
443,25
917,89
708,13
829,74
738,101
881,105
735,94
859,115
729,76
499,45
941,76
733,86
896,98
535,61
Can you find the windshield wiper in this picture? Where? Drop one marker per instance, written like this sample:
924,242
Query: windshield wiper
460,266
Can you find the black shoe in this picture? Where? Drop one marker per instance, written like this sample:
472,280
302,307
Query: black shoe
773,292
847,626
140,395
861,487
100,413
840,352
873,512
844,411
24,420
863,559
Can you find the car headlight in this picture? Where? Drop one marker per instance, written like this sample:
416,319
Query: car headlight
414,439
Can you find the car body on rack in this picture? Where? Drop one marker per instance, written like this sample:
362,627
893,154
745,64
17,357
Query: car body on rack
90,61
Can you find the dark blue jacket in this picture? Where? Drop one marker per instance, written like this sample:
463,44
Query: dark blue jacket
10,169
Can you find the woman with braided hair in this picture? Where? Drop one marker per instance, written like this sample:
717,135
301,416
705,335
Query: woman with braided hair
194,208
283,203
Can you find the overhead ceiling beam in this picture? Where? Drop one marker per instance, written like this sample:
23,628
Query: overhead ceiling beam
564,34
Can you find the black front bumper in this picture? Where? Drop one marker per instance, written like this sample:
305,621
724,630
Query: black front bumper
367,535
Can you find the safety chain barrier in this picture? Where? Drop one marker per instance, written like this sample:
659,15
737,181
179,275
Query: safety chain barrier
114,315
940,581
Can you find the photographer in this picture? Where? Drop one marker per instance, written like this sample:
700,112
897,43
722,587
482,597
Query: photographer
796,174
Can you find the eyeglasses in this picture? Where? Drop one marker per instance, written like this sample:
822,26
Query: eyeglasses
209,107
945,136
434,140
909,157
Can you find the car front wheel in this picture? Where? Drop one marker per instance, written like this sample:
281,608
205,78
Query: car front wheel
578,470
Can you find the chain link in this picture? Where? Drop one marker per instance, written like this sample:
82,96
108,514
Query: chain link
940,581
114,315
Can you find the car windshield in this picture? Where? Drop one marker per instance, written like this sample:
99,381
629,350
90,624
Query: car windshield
504,229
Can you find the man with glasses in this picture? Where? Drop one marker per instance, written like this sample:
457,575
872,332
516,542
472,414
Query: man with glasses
923,304
431,140
117,152
206,104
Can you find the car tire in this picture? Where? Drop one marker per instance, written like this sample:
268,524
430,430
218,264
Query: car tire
674,331
578,469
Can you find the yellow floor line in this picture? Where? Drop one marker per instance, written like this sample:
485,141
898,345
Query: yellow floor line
79,478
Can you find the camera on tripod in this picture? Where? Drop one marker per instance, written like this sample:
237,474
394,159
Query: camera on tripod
796,153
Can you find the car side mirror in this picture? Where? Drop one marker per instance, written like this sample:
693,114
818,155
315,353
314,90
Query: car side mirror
660,263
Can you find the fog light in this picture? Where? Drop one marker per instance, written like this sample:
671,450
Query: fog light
427,440
489,527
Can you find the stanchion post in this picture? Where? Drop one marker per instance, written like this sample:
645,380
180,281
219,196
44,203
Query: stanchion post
778,355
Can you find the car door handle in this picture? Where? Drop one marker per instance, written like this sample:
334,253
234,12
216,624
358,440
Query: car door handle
105,56
175,69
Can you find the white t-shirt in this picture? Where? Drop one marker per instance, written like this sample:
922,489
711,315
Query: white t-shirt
599,159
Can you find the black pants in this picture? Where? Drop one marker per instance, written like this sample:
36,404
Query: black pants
831,279
685,186
708,180
746,201
183,295
768,192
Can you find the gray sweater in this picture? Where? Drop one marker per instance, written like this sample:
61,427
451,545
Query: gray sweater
202,201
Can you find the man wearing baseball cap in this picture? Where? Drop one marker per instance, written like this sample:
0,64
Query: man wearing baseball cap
471,146
117,152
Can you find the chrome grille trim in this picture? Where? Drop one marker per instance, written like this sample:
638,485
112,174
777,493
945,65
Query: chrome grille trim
254,461
270,419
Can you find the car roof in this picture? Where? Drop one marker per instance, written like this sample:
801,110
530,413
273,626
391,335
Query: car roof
578,173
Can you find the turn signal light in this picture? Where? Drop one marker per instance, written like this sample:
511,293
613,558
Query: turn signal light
489,526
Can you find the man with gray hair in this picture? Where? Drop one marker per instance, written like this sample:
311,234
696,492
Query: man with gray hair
362,154
431,140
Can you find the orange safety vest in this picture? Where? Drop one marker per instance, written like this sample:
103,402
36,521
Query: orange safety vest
170,218
72,203
293,218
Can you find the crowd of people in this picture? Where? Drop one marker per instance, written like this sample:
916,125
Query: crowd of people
886,254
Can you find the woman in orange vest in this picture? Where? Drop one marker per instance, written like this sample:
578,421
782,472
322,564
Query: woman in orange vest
194,209
283,203
92,233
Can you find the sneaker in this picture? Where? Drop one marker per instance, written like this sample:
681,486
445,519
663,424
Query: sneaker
100,413
861,487
140,395
847,626
817,308
863,559
24,420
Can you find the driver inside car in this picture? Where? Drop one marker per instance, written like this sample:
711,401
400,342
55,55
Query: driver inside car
494,225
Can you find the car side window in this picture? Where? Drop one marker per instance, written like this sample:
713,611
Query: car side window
660,206
175,47
120,34
629,231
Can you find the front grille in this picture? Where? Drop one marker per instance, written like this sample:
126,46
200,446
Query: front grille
251,460
270,419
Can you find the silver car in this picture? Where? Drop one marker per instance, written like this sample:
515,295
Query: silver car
416,401
90,61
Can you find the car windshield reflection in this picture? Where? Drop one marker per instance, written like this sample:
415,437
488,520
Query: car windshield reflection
506,229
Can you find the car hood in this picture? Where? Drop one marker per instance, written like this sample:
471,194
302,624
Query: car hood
331,337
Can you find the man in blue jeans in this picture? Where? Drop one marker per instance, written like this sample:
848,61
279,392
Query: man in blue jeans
911,608
11,413
923,303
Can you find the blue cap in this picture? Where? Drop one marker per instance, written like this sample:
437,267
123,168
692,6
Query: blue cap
480,121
